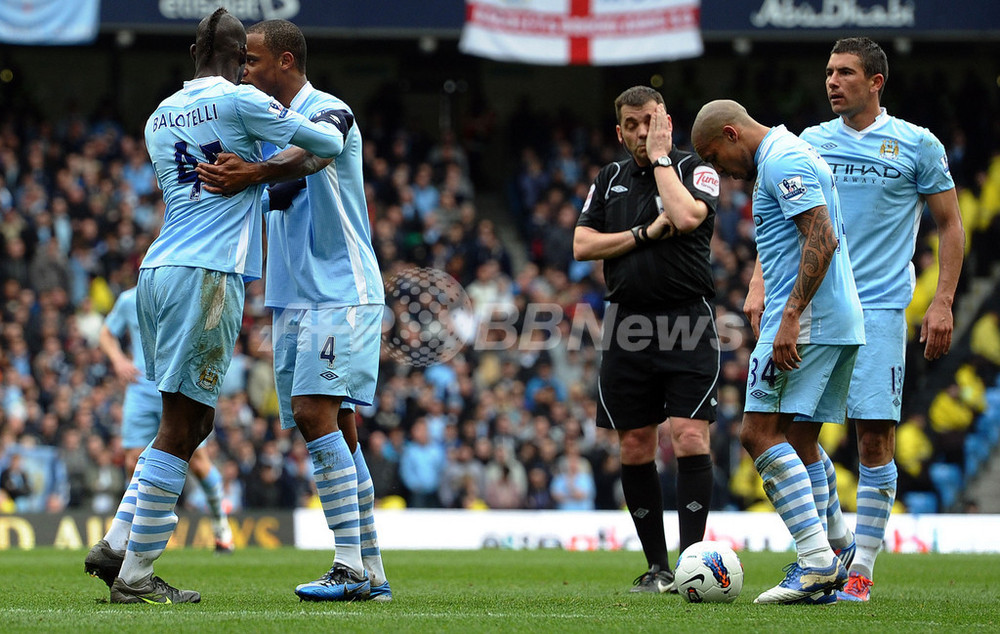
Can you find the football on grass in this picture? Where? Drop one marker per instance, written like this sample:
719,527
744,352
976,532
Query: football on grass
709,572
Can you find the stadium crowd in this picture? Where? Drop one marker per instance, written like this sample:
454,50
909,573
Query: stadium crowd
488,428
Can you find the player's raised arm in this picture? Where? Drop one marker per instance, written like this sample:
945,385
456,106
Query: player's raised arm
327,130
683,212
230,173
316,138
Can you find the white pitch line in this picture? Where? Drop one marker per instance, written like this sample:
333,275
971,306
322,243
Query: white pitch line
296,610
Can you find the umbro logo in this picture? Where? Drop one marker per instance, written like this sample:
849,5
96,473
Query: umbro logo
619,189
328,375
828,146
694,507
641,513
758,394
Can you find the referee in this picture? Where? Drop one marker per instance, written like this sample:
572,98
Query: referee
650,218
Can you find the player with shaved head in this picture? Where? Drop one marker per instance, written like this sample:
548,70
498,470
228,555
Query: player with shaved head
810,331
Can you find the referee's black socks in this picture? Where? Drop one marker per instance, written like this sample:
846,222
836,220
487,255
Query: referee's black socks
694,497
641,485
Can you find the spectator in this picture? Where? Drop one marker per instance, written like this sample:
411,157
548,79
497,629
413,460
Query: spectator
573,487
14,480
421,467
105,484
461,465
503,492
950,419
914,451
385,472
505,482
985,337
538,497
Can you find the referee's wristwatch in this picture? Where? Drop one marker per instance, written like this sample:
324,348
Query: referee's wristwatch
663,161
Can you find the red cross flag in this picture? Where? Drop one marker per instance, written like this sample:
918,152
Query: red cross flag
586,32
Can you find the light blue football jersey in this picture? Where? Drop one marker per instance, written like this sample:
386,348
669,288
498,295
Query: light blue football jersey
881,174
792,178
208,116
320,249
124,317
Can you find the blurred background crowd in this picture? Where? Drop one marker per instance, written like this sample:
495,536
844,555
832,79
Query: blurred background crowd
508,428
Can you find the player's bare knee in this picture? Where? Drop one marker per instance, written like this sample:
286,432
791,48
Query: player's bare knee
691,439
806,448
314,417
347,425
205,428
876,442
638,446
875,450
304,412
753,438
748,438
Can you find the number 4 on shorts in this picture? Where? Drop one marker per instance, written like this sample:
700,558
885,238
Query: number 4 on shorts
327,353
769,374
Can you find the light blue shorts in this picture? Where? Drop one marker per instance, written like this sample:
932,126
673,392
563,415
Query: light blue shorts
877,384
327,352
189,319
815,391
141,414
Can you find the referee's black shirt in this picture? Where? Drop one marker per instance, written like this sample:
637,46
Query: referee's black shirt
658,274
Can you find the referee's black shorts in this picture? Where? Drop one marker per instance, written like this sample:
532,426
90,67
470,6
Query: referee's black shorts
658,365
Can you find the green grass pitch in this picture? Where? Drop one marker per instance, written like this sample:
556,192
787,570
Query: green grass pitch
46,590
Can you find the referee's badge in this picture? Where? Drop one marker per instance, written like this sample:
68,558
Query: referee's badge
706,179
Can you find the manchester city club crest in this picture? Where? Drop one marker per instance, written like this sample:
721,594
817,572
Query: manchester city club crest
889,149
208,379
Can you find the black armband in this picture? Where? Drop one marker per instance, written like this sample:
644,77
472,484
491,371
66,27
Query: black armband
340,119
282,194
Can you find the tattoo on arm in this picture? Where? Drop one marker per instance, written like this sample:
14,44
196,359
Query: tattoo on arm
294,163
817,253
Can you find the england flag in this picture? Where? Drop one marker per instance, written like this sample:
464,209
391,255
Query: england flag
584,32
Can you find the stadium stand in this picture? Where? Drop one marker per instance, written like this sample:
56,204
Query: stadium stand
78,207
